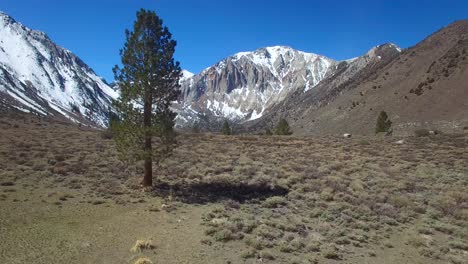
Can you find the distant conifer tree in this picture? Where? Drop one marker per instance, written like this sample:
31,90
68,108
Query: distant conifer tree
196,128
268,132
283,128
226,129
383,123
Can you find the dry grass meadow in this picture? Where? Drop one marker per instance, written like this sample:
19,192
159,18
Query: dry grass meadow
66,198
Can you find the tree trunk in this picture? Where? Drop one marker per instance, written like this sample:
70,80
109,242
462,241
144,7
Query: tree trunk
148,178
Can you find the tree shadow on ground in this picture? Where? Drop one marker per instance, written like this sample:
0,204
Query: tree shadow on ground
202,193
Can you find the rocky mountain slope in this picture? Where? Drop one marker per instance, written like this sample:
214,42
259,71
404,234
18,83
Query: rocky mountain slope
241,87
424,86
38,76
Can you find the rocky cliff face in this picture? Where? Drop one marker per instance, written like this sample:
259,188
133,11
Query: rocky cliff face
243,86
38,76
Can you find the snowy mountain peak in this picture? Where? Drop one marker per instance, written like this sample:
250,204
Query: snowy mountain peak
5,15
266,51
241,87
269,55
372,52
6,19
37,74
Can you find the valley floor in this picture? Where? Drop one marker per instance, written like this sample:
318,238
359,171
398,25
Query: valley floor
66,198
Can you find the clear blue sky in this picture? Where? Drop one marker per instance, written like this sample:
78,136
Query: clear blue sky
210,30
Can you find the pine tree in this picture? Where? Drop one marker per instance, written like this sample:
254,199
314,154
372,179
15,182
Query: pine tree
268,132
196,128
283,128
149,82
383,123
226,130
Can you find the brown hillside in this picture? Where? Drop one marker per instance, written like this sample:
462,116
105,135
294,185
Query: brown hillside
425,86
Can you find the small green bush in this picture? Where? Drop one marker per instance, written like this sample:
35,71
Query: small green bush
274,202
248,254
332,253
458,245
224,235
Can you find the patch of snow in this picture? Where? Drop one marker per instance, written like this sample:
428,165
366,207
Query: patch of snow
27,102
256,115
224,109
307,86
396,47
351,60
186,74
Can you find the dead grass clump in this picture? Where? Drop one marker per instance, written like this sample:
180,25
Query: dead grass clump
268,255
327,194
143,261
337,184
65,197
97,202
60,169
141,245
332,252
313,246
417,241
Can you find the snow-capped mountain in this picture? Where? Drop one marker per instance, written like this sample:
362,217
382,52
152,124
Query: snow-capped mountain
300,107
38,76
241,87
